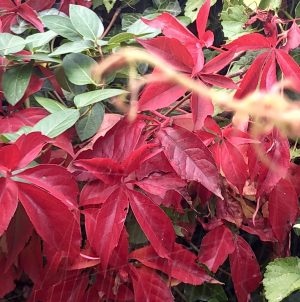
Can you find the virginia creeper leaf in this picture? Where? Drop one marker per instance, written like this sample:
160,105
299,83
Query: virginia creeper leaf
215,247
189,157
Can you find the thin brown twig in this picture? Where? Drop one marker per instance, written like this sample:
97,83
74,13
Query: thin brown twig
178,104
111,23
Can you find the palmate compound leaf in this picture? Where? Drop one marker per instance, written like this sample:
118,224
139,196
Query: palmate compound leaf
282,278
189,157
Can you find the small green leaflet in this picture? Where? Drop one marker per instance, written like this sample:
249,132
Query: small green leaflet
89,123
297,11
15,82
109,4
49,104
91,97
282,278
192,8
74,47
78,68
10,44
86,22
56,123
62,26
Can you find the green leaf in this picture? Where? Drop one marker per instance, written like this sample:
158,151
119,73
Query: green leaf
169,6
10,44
49,104
74,47
297,11
91,97
40,57
15,82
192,8
56,123
269,4
88,125
282,277
40,39
233,20
121,37
109,4
62,26
140,28
86,22
78,68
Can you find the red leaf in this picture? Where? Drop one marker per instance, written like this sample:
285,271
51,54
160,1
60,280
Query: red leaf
28,14
109,120
7,4
218,62
51,219
154,222
119,258
229,209
104,226
39,5
283,209
105,169
288,66
268,76
56,180
215,247
172,28
6,279
17,234
31,259
159,95
252,76
24,117
253,41
154,290
8,202
181,264
202,18
293,38
245,270
170,50
218,80
9,157
189,157
35,85
294,176
95,192
157,184
119,141
201,108
30,146
261,229
66,286
139,156
233,165
279,158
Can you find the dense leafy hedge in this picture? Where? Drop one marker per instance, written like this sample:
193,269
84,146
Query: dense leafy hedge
140,185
